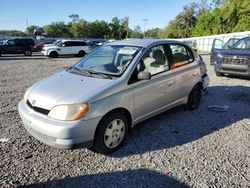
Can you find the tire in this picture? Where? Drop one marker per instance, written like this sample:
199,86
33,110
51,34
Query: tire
194,98
27,52
111,133
81,53
219,74
53,54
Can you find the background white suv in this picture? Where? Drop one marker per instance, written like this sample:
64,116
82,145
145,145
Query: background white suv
67,47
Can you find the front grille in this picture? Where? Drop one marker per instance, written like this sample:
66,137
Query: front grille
235,61
37,109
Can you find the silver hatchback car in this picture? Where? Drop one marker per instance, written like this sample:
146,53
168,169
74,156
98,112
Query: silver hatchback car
95,102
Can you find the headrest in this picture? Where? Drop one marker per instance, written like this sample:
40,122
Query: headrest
158,54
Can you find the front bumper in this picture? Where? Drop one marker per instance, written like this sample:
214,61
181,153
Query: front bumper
233,69
60,134
205,81
44,52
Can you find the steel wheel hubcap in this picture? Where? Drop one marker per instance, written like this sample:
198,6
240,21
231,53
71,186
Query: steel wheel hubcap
114,133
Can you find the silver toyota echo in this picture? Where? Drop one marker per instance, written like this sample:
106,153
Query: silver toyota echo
96,101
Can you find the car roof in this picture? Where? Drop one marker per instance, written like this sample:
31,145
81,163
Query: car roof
141,42
72,40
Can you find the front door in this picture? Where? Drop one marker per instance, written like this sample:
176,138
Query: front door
154,95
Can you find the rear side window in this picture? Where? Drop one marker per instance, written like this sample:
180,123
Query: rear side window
181,55
78,43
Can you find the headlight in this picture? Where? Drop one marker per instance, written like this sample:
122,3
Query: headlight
69,112
25,97
220,56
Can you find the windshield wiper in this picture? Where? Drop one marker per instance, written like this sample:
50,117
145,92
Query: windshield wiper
78,70
98,73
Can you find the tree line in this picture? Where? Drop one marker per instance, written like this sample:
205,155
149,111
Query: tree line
195,19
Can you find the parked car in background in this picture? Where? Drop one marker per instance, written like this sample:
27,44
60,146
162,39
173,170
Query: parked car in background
218,46
234,60
17,46
67,47
92,45
38,47
95,102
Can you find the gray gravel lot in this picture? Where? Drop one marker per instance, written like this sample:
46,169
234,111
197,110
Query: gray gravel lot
178,148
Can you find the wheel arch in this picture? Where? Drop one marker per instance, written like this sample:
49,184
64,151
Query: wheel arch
120,110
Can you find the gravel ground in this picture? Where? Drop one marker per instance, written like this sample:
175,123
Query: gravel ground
178,148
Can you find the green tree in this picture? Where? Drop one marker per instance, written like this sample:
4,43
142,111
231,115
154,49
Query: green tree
154,33
74,17
136,33
228,16
114,28
57,29
30,29
79,29
183,24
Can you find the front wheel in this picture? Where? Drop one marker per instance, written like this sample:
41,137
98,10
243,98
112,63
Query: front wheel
111,133
194,98
27,52
53,54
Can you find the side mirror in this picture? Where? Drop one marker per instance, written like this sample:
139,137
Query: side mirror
143,75
63,45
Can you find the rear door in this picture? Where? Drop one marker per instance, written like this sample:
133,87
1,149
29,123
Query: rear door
84,46
186,69
20,45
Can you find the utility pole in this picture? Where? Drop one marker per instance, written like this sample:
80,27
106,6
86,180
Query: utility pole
27,23
145,23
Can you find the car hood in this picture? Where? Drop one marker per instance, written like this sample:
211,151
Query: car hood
235,52
64,88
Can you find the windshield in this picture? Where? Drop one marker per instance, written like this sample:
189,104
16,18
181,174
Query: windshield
57,42
110,59
242,44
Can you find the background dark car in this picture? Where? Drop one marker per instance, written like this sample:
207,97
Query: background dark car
38,47
218,46
234,60
17,46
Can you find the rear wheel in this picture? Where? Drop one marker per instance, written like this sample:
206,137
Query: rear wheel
194,98
27,52
81,53
111,133
219,74
53,54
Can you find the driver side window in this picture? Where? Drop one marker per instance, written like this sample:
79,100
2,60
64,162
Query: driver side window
11,43
155,60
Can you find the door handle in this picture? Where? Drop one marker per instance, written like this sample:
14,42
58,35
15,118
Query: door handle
194,73
169,83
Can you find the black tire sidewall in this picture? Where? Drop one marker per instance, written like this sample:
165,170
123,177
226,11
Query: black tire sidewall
195,90
29,52
81,53
99,144
53,54
218,74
